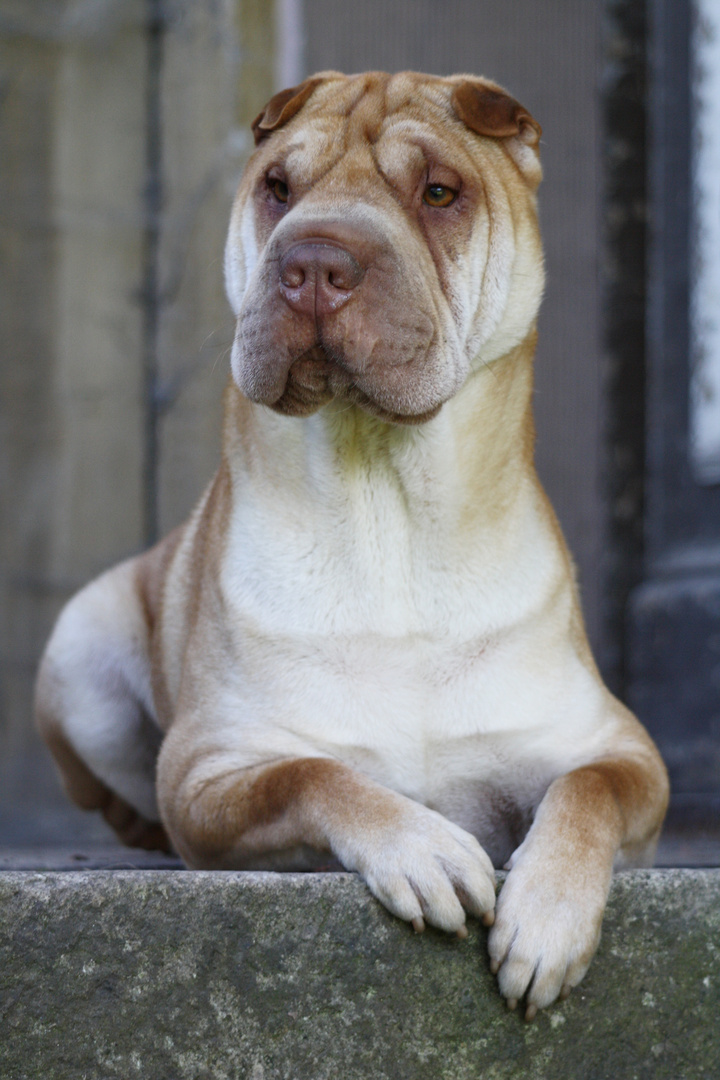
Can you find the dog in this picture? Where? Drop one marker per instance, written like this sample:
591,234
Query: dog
367,641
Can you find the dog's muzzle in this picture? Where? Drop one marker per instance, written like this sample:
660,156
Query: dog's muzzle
335,312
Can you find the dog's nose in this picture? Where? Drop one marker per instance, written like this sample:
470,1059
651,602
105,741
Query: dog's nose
317,278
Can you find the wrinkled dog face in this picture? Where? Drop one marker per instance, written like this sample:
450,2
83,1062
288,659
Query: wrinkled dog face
383,242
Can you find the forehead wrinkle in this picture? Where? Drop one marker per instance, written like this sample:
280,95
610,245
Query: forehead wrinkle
350,97
315,149
423,97
395,164
417,133
368,115
337,125
381,121
351,144
392,187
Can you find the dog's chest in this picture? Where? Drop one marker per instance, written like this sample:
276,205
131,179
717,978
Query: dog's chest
453,726
367,624
421,693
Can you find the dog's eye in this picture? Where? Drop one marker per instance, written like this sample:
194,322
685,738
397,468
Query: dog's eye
279,188
438,195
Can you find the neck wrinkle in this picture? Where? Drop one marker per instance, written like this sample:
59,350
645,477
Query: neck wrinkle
463,469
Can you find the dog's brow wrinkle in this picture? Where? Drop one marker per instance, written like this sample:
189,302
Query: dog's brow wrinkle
326,172
368,113
394,190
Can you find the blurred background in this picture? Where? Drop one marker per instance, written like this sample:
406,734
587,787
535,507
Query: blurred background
124,126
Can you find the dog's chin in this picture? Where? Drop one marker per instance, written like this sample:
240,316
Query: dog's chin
390,416
314,380
300,401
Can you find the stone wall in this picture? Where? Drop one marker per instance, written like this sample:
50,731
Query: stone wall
124,126
227,976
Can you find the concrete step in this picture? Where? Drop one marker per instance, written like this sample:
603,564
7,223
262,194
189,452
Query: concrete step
179,975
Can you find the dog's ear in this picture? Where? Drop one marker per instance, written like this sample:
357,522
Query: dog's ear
488,110
282,108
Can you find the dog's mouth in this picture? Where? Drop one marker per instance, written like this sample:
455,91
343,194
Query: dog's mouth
315,378
312,382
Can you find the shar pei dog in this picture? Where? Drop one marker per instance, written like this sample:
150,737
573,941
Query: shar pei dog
366,640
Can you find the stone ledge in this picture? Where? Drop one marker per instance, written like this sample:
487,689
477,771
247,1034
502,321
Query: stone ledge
166,975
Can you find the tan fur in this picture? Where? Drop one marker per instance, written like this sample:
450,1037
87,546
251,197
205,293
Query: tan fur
87,792
367,639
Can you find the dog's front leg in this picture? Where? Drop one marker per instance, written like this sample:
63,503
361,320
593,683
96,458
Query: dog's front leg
421,866
551,906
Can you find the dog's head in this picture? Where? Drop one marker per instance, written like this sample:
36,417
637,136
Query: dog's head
383,242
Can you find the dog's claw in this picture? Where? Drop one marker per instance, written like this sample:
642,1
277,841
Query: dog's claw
462,932
494,966
512,1004
565,992
530,1013
488,918
418,924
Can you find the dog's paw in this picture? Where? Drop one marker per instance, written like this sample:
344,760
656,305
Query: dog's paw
427,869
546,930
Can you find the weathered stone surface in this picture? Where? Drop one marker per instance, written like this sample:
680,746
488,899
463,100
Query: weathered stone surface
181,976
